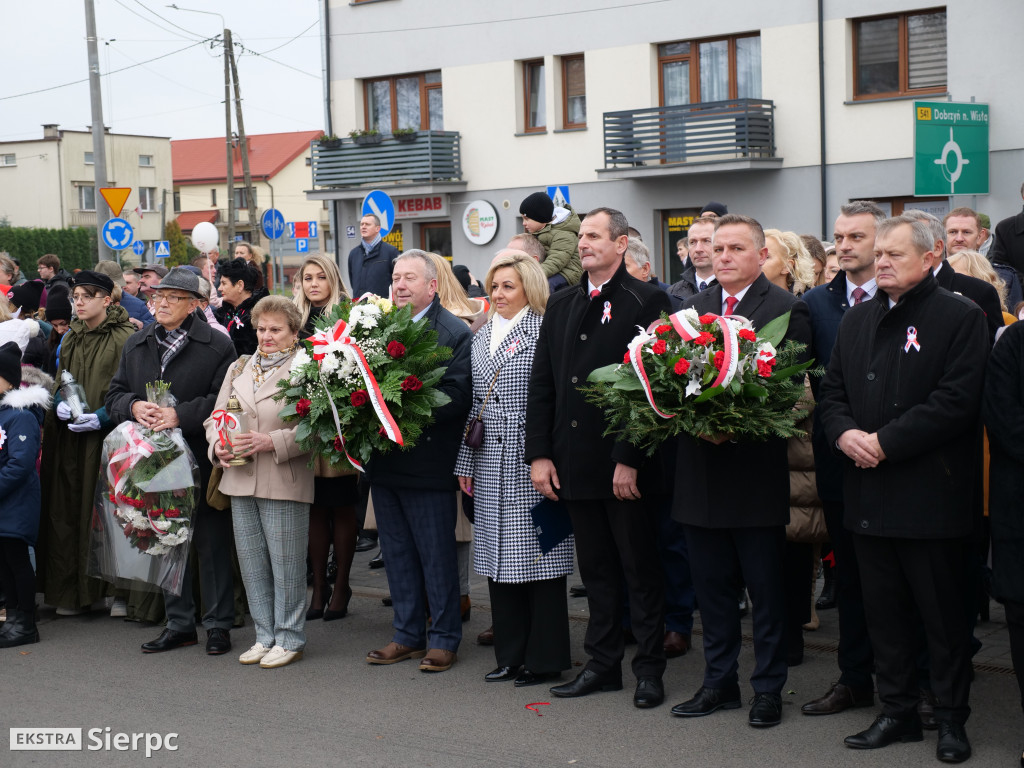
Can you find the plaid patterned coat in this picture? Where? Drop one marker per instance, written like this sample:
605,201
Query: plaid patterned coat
504,543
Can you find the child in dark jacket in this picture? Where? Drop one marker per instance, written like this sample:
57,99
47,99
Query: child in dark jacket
21,417
558,230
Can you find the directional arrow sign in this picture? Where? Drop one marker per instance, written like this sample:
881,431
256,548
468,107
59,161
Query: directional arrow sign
117,234
383,207
116,198
139,247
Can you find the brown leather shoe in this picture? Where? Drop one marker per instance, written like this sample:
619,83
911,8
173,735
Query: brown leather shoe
486,637
676,644
438,660
926,710
838,698
394,652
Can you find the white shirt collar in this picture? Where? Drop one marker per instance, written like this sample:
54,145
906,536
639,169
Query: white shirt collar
739,295
419,315
591,287
869,287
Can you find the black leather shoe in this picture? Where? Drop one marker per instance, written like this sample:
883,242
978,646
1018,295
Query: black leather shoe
527,678
649,693
708,700
953,746
766,710
926,710
365,543
218,641
501,674
587,682
169,640
886,730
827,600
377,561
838,699
578,590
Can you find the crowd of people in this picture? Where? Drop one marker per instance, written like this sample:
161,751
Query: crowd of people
905,316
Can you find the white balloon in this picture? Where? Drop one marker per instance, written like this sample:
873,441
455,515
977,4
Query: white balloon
205,236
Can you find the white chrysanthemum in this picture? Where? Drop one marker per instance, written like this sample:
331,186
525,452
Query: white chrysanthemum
329,364
692,315
364,315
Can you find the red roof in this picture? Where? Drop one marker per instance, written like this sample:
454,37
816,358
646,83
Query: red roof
187,220
202,161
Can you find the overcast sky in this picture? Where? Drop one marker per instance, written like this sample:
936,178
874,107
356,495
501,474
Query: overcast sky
180,95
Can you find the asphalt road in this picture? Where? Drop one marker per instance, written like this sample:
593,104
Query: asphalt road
333,709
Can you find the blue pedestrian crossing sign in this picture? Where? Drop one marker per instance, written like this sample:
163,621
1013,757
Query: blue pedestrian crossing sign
559,195
162,249
302,245
117,234
273,223
139,247
383,207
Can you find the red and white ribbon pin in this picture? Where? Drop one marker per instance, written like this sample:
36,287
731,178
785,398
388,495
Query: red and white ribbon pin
911,340
607,314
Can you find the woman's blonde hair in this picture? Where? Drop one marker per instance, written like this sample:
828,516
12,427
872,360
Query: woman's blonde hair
254,250
799,259
449,289
279,305
535,285
338,290
977,265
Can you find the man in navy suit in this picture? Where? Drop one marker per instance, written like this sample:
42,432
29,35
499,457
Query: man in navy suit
733,500
854,235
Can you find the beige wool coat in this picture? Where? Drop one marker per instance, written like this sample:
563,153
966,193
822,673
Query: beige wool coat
278,474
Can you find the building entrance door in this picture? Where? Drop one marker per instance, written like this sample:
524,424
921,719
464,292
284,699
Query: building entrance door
675,224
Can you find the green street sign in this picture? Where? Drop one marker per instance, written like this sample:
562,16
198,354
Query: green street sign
950,149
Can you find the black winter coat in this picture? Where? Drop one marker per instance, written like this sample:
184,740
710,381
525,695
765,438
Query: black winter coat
560,424
923,403
739,484
371,272
1008,244
431,463
978,291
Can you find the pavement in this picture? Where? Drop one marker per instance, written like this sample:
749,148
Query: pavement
333,709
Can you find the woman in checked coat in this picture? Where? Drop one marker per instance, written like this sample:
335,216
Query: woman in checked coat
528,597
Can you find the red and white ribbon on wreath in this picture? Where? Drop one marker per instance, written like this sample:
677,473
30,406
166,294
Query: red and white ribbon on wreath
223,421
636,348
730,325
135,449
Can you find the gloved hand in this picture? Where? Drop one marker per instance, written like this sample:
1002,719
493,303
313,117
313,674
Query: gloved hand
63,411
87,422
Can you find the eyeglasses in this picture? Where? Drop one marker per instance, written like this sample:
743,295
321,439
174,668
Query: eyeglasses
169,298
81,298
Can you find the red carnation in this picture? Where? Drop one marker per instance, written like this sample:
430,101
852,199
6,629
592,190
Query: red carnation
764,369
662,329
396,349
719,359
337,444
659,347
172,513
746,333
707,319
302,407
682,366
411,384
382,432
360,398
704,338
625,358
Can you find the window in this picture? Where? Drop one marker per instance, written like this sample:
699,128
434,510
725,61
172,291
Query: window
146,161
8,159
574,92
533,97
899,55
88,159
213,198
177,202
147,198
87,197
405,102
241,199
710,70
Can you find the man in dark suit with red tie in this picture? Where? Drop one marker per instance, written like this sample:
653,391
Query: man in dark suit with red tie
733,500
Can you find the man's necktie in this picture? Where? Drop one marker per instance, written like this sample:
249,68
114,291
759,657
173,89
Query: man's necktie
859,294
595,293
703,285
730,305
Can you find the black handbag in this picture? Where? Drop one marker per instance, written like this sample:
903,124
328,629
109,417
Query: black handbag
474,436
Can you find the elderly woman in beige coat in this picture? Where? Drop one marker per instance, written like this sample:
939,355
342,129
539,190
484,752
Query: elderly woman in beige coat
270,495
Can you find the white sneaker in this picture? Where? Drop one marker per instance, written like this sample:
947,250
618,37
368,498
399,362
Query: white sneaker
118,609
279,657
254,654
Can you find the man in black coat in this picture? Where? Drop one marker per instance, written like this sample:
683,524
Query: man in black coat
900,401
1008,242
855,248
370,262
414,493
181,349
733,500
611,501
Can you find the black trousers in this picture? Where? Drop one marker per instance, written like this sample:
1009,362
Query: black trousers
797,571
17,578
856,660
617,552
531,624
721,560
1015,624
909,583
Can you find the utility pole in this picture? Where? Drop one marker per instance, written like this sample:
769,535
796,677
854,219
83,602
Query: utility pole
243,145
99,142
227,138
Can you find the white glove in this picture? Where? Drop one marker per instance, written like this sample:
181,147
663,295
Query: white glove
63,411
87,422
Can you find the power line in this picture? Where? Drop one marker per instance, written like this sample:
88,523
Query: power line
292,40
166,21
191,35
276,61
106,74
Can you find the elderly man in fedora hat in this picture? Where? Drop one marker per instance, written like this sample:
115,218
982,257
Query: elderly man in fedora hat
181,349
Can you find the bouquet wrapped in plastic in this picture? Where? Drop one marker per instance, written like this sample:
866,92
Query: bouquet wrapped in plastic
145,504
365,381
705,376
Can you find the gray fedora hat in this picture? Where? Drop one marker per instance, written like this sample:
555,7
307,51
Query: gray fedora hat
180,279
158,268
